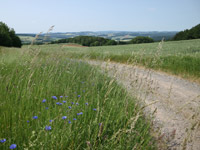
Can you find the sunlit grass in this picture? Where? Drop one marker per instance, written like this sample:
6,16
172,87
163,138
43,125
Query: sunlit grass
177,57
100,114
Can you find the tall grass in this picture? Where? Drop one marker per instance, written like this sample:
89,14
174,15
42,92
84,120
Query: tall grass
110,119
177,57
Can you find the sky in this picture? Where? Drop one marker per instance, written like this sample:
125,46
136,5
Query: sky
34,16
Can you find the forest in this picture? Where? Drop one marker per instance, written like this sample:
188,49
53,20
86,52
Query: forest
193,33
8,37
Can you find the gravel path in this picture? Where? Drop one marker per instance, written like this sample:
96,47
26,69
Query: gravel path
174,102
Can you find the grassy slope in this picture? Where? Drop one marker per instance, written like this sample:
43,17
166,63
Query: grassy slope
27,78
177,57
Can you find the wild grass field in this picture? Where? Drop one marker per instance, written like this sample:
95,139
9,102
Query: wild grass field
49,101
180,58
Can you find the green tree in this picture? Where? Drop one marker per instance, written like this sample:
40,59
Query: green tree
8,36
193,33
111,42
141,39
16,42
5,39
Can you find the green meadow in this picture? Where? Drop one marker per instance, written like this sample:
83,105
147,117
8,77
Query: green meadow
52,99
88,109
180,58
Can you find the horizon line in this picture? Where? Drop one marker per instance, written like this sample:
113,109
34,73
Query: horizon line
97,31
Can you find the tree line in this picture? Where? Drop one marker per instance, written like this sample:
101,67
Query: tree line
8,37
141,39
193,33
87,41
100,41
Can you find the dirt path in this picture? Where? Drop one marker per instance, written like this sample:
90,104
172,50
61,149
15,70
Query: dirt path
174,101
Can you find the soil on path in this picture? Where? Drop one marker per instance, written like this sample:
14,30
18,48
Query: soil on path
173,102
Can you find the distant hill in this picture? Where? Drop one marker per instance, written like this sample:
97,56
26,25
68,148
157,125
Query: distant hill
112,35
193,33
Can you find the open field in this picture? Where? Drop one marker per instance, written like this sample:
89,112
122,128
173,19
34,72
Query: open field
26,39
100,113
94,112
180,58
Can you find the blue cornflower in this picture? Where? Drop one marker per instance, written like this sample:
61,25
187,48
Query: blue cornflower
61,96
50,120
28,121
44,100
79,95
72,103
48,128
58,103
69,107
54,97
79,113
74,119
64,101
46,108
35,117
100,124
77,103
64,117
94,109
13,146
69,121
86,103
2,141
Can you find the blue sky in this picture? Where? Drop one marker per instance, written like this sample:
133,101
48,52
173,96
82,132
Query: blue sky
33,16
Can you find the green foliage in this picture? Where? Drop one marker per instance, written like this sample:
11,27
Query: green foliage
141,39
87,41
8,37
193,33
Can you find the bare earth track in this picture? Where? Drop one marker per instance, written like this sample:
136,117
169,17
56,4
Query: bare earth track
174,102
